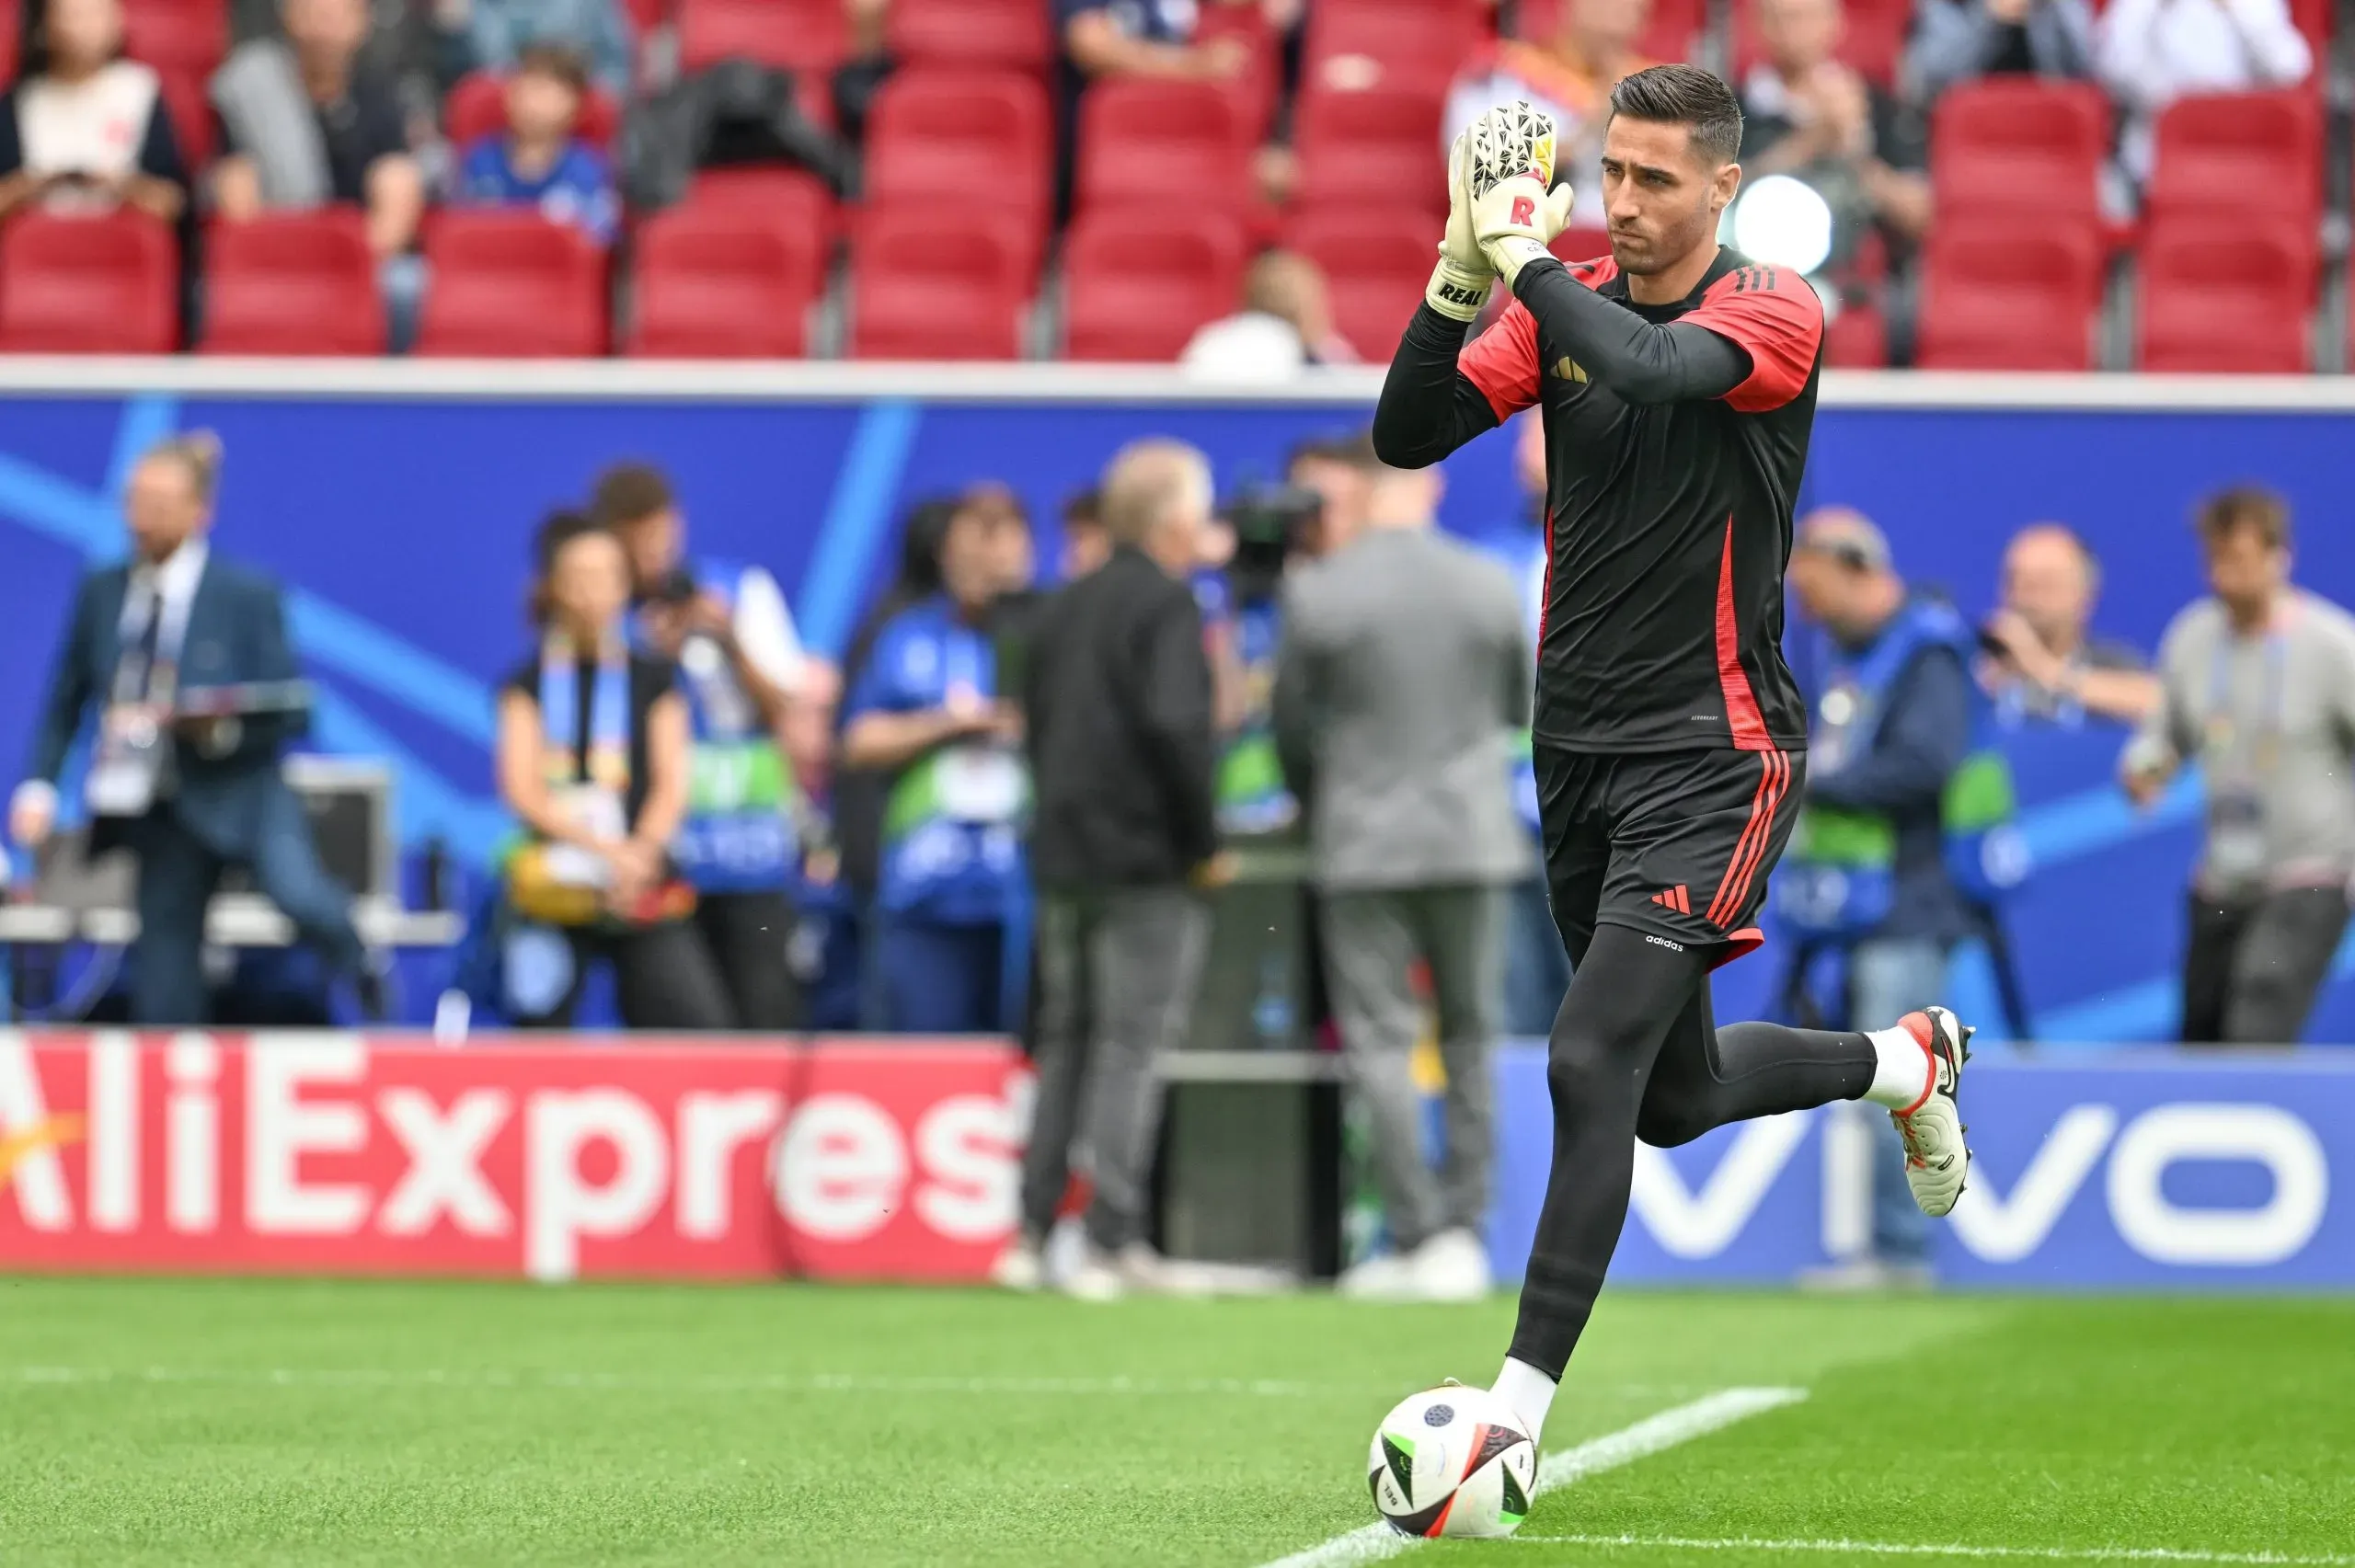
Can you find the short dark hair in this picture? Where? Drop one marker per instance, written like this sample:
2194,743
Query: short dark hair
627,493
1085,509
1685,95
557,531
1351,449
545,59
2252,507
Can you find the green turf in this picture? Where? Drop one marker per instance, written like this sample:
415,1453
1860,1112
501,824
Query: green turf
345,1424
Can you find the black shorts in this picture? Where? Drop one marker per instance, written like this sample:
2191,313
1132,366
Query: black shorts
1675,844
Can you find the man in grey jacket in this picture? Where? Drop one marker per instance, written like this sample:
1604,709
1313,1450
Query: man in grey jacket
2261,692
1404,669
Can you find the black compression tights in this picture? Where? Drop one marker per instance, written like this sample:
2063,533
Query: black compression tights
1635,1054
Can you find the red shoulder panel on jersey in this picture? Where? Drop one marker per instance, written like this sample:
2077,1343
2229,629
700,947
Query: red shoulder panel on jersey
1774,315
1595,273
1502,362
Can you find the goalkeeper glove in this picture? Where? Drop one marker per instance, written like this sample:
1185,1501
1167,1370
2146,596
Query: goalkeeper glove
1460,283
1513,212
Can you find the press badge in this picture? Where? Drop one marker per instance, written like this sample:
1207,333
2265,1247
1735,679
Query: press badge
127,772
2236,851
599,812
978,784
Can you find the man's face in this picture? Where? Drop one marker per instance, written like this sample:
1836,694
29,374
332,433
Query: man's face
1606,27
2243,569
541,106
331,28
1660,197
1342,490
654,544
2046,585
1821,585
161,508
970,558
1799,35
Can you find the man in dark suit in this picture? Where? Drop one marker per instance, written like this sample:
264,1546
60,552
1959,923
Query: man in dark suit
188,796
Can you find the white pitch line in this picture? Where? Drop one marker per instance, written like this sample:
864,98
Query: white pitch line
1645,1437
1911,1549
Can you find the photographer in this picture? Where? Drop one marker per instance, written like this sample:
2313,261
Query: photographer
1272,527
727,629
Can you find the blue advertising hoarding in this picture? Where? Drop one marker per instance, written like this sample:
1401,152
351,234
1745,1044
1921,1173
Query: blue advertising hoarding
396,503
2131,1170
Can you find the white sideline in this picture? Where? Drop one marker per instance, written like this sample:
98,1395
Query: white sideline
1911,1549
1645,1437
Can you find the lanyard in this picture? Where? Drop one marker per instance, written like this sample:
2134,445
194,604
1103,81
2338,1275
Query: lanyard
154,625
2273,700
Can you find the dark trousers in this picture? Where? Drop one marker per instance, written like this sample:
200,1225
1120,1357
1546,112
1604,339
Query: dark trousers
2252,966
941,979
749,936
177,875
662,974
1118,970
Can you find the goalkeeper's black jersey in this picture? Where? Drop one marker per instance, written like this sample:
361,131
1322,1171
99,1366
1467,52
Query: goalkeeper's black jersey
1669,499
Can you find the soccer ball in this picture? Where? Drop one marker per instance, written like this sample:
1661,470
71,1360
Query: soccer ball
1453,1461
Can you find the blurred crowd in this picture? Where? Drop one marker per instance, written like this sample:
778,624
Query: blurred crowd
596,113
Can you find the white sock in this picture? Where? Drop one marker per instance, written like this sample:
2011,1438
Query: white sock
1903,1070
1527,1393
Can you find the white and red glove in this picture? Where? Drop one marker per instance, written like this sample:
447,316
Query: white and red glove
1515,210
1461,281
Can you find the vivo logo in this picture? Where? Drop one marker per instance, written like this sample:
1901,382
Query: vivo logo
2009,1226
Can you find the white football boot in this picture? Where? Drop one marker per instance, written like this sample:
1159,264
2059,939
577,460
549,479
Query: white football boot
1937,1162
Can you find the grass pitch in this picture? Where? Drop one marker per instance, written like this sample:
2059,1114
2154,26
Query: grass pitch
233,1423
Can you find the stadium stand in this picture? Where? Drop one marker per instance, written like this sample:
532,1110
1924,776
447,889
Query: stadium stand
1146,141
476,107
1391,43
1673,32
790,197
1010,33
798,35
2015,145
2010,293
1141,280
1376,261
723,282
177,37
939,128
1372,146
2227,298
511,285
923,290
89,285
296,283
2214,150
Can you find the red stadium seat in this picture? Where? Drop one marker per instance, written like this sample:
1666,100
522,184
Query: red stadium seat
923,289
649,14
2018,294
477,108
1148,142
1857,339
2213,151
798,35
1257,86
11,35
2018,146
511,285
177,36
1380,146
783,192
1873,40
934,130
1672,34
1375,262
1391,43
81,285
2226,296
720,284
191,114
1142,280
292,283
1012,33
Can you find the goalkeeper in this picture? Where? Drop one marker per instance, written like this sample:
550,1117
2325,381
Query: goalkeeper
1677,382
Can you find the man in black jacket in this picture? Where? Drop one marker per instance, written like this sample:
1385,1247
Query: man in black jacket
1116,693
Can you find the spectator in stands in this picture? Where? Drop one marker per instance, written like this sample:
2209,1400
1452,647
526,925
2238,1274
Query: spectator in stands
1961,41
725,627
1404,670
1570,76
926,710
2044,659
499,33
2259,682
2151,53
1890,725
1806,114
593,757
1286,322
307,122
84,129
1101,39
1085,545
1118,705
538,162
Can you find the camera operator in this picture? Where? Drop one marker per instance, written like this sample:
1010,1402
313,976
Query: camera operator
1271,526
1403,671
727,628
